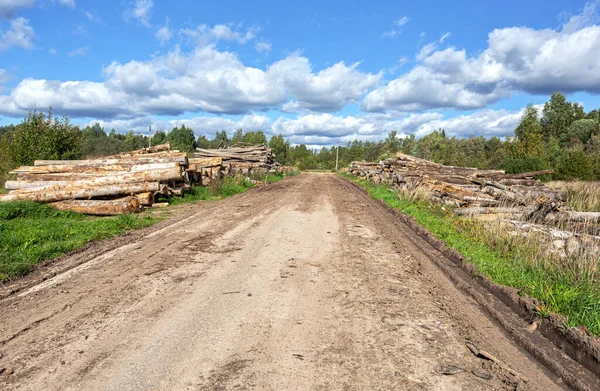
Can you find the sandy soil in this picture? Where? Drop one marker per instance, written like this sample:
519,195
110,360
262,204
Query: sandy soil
306,284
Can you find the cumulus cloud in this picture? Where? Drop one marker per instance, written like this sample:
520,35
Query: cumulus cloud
204,34
140,10
324,129
516,59
328,90
9,7
203,80
19,34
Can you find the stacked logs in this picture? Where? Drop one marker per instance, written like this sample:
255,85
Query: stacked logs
241,160
129,182
110,185
472,190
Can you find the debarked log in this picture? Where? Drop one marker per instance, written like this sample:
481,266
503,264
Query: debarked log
94,170
60,193
163,175
100,207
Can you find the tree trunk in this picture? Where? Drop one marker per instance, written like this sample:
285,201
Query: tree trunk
98,170
60,193
100,208
165,175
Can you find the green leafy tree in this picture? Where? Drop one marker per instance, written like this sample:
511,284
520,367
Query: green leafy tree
529,133
221,140
255,138
182,139
160,137
575,164
134,141
203,142
558,115
47,137
280,148
238,136
580,130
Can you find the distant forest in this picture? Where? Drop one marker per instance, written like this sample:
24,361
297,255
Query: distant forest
562,137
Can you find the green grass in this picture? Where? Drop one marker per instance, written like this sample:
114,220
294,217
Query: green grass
564,291
31,233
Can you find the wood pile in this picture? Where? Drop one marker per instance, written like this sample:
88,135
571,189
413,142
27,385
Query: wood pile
132,181
474,191
110,185
241,160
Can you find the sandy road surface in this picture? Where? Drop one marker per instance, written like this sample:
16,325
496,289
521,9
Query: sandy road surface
306,284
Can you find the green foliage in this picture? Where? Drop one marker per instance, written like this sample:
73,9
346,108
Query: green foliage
134,141
575,164
42,136
558,115
280,148
525,163
182,139
529,133
575,296
31,233
160,137
221,140
580,131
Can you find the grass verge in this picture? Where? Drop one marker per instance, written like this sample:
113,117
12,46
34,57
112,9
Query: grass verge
563,290
31,233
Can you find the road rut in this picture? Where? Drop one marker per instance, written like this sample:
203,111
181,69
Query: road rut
305,284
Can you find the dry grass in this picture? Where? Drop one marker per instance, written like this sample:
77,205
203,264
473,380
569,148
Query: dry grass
581,196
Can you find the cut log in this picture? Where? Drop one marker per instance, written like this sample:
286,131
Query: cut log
100,208
160,205
145,199
156,148
164,175
580,217
100,170
524,175
180,158
58,193
479,210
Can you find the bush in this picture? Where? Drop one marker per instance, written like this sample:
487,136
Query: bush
574,164
518,164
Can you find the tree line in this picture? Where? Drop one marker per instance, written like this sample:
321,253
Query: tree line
562,137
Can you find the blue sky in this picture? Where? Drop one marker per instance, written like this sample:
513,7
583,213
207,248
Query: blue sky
318,72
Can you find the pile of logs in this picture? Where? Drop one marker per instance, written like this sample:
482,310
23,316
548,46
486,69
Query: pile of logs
110,185
132,181
520,200
474,191
241,160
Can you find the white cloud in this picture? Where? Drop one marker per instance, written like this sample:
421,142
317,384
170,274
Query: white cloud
588,17
19,34
262,46
164,33
390,34
82,51
402,21
4,78
516,59
52,51
92,18
67,3
140,10
202,80
445,36
205,35
9,7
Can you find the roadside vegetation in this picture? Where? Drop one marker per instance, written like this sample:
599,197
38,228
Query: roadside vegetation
581,196
569,286
31,233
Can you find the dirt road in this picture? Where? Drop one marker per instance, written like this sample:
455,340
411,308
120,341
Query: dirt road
306,284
